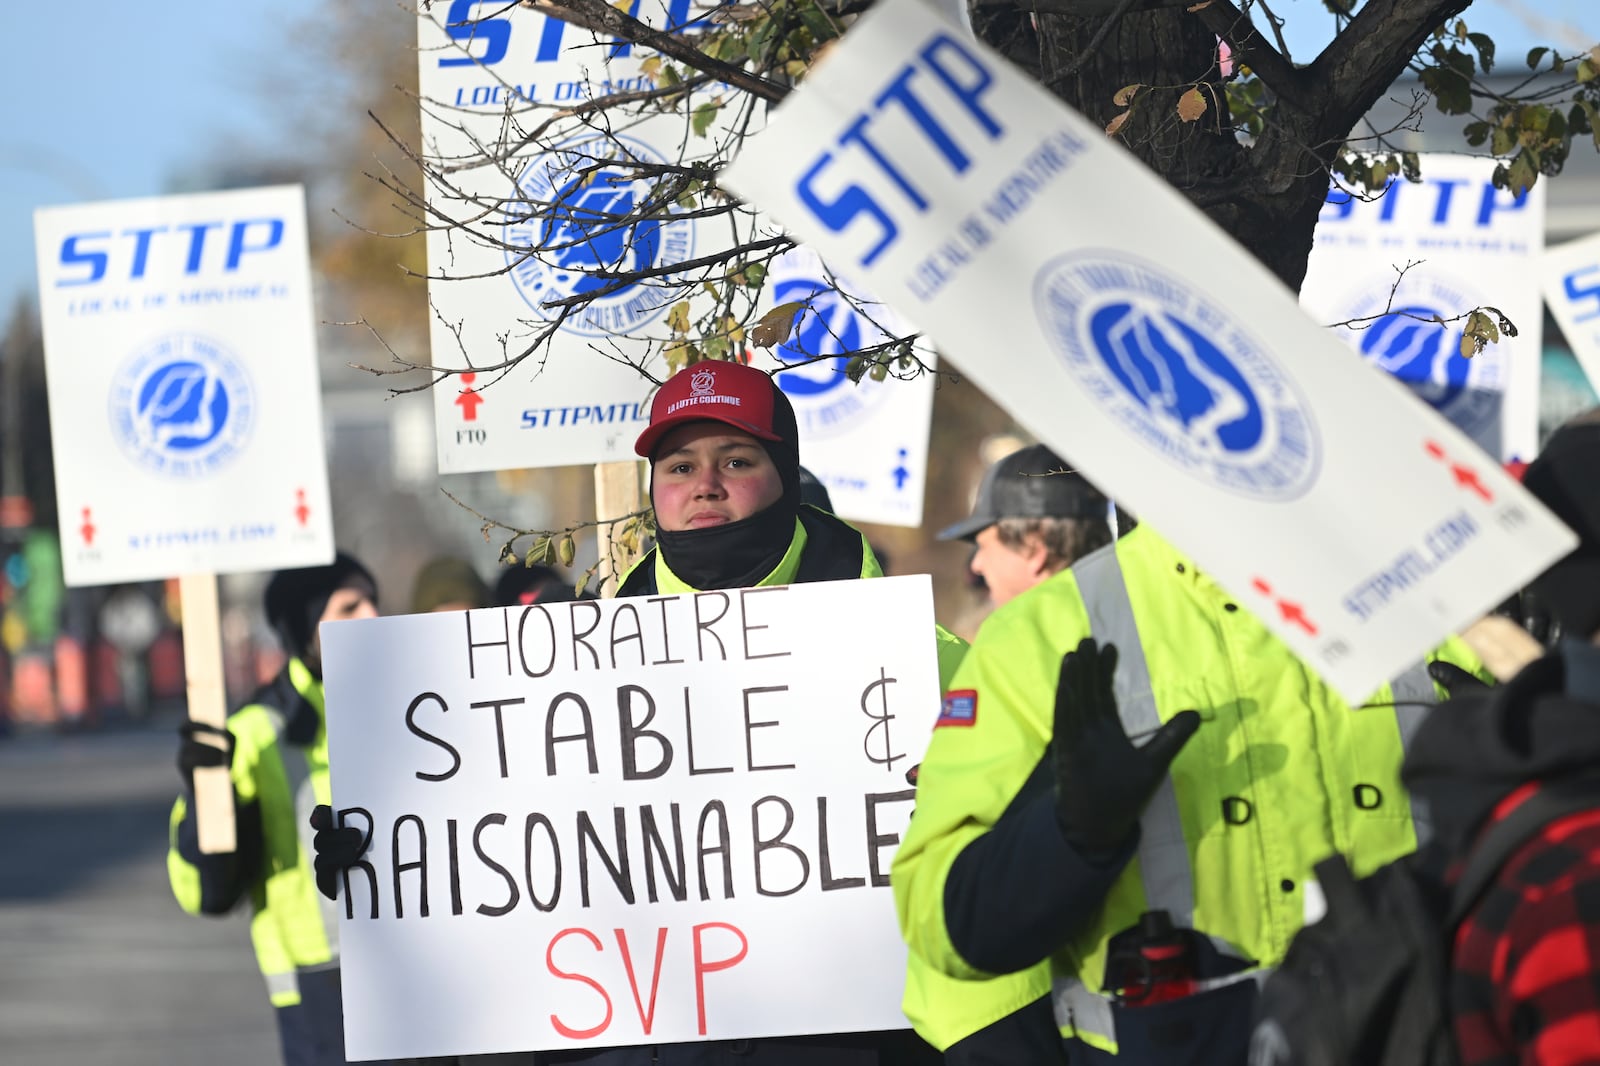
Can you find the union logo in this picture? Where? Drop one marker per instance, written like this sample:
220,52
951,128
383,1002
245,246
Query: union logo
579,240
182,406
1413,342
1180,372
825,400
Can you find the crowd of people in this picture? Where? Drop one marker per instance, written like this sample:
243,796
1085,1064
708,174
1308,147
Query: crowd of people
1124,803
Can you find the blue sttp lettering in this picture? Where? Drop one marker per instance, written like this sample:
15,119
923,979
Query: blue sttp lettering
72,255
857,134
1391,199
979,79
1343,203
838,213
236,239
141,248
1491,203
1575,294
495,33
899,91
678,21
197,243
1441,210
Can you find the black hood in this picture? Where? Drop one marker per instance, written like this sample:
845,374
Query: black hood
1471,752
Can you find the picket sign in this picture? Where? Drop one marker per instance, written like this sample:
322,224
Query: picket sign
490,78
1131,334
1570,275
180,354
1468,244
627,821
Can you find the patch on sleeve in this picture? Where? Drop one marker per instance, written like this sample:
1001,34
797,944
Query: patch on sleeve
960,708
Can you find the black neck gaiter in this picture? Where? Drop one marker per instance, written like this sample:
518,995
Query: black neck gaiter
736,554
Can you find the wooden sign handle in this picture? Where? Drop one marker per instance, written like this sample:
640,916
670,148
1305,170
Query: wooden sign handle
208,704
616,493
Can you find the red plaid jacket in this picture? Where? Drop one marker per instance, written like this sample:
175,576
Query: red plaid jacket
1525,990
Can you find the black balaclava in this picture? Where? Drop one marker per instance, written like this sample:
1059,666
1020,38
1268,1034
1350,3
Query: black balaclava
739,554
295,600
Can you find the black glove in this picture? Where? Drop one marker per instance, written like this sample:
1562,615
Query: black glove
337,849
1103,782
1454,680
194,752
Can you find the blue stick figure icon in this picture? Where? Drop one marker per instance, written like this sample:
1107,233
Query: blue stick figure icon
901,473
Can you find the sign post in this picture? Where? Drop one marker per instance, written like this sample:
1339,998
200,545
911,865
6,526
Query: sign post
187,422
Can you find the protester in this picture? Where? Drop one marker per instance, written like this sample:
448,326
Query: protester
277,752
725,485
1132,778
1034,516
1524,979
448,584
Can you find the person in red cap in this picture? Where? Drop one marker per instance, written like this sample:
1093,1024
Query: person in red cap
725,482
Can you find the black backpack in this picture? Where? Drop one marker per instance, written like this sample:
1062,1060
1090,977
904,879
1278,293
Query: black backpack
1366,985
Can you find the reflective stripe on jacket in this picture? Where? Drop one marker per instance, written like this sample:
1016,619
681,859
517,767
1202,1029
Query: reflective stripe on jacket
1281,774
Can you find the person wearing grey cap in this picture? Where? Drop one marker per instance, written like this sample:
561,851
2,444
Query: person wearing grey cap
1034,517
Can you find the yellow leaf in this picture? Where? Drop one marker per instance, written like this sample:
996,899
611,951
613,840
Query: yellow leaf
1191,105
1125,94
776,324
1469,346
1117,123
678,317
568,551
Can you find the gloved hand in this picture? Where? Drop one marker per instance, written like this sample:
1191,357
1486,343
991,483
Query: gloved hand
1454,680
1104,782
193,752
337,849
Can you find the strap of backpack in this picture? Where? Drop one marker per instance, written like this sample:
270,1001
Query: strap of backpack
1496,845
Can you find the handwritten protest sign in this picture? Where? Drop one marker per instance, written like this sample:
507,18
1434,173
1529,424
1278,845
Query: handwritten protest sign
1128,332
1467,244
628,821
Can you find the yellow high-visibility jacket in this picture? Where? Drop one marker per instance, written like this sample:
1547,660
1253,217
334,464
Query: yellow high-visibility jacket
1282,774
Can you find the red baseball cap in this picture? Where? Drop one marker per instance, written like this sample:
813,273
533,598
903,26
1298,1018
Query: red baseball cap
715,391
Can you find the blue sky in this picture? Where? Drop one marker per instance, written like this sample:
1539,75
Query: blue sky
107,99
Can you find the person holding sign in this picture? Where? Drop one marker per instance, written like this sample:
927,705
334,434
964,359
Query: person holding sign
724,453
277,752
1132,778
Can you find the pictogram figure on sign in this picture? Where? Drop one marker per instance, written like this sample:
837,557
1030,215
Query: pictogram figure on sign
1290,611
469,400
901,474
87,530
302,512
1465,476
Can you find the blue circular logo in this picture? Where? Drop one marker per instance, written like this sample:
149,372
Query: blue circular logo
1408,337
1181,372
825,400
582,188
182,406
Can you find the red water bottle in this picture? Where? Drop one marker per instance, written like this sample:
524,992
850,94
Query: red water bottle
1155,964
